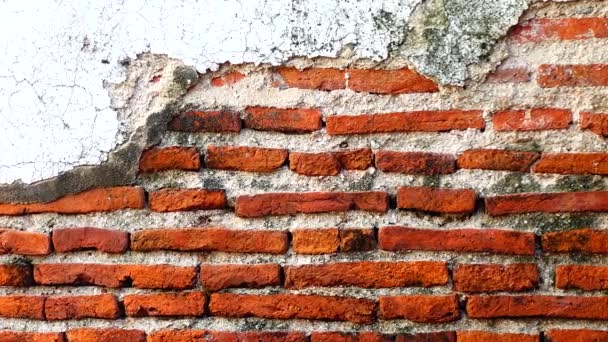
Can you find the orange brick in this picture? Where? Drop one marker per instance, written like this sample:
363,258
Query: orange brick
562,202
212,121
243,158
420,163
311,78
165,304
576,241
491,278
314,164
536,119
22,306
439,336
542,29
595,122
24,243
219,277
104,240
485,336
592,75
359,159
576,335
349,337
227,79
187,199
509,75
95,200
420,308
293,120
18,336
357,240
315,241
491,159
437,200
16,274
400,81
79,307
573,163
170,158
105,335
581,277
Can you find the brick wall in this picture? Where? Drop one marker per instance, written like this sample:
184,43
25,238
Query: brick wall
331,200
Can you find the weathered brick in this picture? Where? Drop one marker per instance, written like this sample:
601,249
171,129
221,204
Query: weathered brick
400,81
457,240
292,120
425,121
95,200
536,119
19,336
227,79
542,29
224,336
573,163
559,202
357,240
576,335
595,122
315,241
491,278
368,274
420,308
492,159
581,277
16,274
22,306
117,275
165,304
309,202
24,243
349,337
359,159
244,158
212,121
104,240
509,75
419,163
170,158
571,307
573,75
187,199
210,240
286,306
439,336
311,78
105,335
437,200
584,240
218,277
80,307
486,336
314,164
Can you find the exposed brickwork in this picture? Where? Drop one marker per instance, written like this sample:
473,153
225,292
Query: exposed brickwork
186,199
214,121
491,159
595,122
100,335
561,29
581,277
491,278
165,304
574,241
227,79
218,277
567,202
79,307
104,240
24,243
311,78
482,336
244,158
170,158
573,163
287,120
389,81
437,200
16,275
420,308
316,241
536,119
415,162
572,75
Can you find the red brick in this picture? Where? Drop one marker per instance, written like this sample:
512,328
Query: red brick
292,120
509,75
592,75
314,164
419,163
187,199
357,240
400,81
486,336
368,274
574,241
210,240
24,243
316,241
117,275
595,122
212,121
573,163
105,335
16,274
571,307
104,240
576,335
349,337
562,202
286,306
309,203
537,30
79,307
426,121
255,336
165,304
219,277
312,78
536,119
581,277
95,200
457,240
491,278
439,336
18,336
420,308
22,306
227,79
359,159
243,158
490,159
170,158
437,200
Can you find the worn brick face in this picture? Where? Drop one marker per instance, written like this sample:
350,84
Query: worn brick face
311,78
437,200
213,121
420,308
398,81
227,79
244,158
316,241
287,120
573,163
170,158
187,199
104,240
563,202
103,335
535,119
581,277
165,304
595,122
572,75
18,336
415,162
22,306
491,278
492,159
16,274
584,240
542,29
80,307
24,243
314,164
576,335
486,336
218,277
